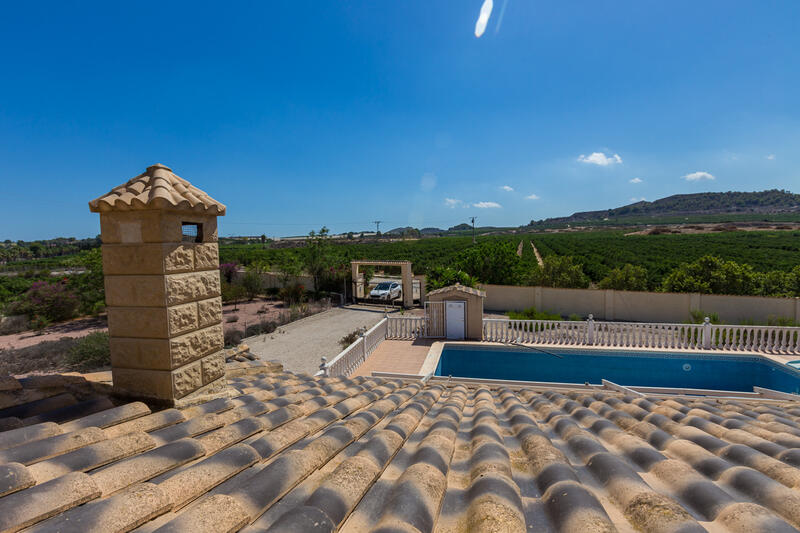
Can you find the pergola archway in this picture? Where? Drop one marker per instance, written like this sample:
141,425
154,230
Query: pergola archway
406,274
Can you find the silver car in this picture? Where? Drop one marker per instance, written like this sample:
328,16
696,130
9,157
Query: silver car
386,291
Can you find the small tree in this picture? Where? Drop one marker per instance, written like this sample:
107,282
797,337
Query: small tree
289,269
627,278
445,276
232,293
317,256
712,275
89,286
562,271
228,270
252,284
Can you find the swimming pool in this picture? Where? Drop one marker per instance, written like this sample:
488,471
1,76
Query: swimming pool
648,369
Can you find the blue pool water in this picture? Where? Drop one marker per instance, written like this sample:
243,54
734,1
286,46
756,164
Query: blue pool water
695,371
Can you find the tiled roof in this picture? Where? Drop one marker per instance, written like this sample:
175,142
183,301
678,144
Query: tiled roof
157,188
292,453
460,288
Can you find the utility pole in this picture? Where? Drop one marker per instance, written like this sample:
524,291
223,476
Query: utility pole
377,227
473,229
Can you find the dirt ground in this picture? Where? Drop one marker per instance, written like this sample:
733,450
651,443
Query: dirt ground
259,310
233,317
717,227
72,329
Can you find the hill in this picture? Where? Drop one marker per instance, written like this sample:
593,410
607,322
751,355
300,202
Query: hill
704,203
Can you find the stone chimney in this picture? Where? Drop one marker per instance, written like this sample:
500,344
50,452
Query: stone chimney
161,267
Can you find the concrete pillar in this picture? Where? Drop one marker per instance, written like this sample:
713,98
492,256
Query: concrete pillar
408,285
422,280
161,267
354,275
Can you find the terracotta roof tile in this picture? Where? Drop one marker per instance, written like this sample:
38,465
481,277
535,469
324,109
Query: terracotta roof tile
459,288
302,454
157,188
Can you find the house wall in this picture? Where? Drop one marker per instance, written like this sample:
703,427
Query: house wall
638,306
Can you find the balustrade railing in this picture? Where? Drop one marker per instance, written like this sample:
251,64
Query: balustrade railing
354,355
405,327
706,336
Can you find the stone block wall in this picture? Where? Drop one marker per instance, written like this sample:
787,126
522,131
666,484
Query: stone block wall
164,306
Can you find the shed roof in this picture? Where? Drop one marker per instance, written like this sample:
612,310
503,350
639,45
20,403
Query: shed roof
292,453
157,188
459,288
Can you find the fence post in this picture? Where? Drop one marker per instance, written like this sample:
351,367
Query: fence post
324,366
706,333
364,347
590,329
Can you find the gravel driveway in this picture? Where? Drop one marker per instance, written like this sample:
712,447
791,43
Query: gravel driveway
300,345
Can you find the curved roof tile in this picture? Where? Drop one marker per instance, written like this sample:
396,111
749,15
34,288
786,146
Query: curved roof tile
157,188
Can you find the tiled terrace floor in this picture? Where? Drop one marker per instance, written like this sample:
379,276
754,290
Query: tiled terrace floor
401,357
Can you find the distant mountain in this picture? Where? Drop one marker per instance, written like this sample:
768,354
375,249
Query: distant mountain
398,231
460,227
431,231
704,203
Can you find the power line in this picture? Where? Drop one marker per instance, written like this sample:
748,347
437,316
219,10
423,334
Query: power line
472,219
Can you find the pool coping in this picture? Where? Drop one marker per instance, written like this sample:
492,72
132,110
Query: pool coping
435,352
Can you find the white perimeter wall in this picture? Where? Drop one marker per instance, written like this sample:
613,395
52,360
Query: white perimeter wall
638,306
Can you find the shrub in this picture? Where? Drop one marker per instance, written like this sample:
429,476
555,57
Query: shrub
252,330
38,322
351,337
51,301
91,351
292,294
233,337
699,317
532,314
782,321
231,319
296,312
262,328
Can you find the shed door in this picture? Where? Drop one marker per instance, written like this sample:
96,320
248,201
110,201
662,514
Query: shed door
454,313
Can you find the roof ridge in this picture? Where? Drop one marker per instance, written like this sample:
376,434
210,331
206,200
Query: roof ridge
157,188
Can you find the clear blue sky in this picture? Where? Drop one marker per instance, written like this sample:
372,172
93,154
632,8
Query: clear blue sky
298,114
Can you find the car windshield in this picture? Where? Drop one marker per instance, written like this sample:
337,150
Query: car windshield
382,287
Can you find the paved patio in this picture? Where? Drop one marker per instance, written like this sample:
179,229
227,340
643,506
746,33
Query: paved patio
400,356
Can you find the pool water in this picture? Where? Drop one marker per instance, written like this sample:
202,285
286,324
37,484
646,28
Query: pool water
648,369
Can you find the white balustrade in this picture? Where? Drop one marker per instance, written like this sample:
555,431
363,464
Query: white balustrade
354,355
405,327
706,336
769,339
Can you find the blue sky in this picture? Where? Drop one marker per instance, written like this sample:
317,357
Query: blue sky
298,114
